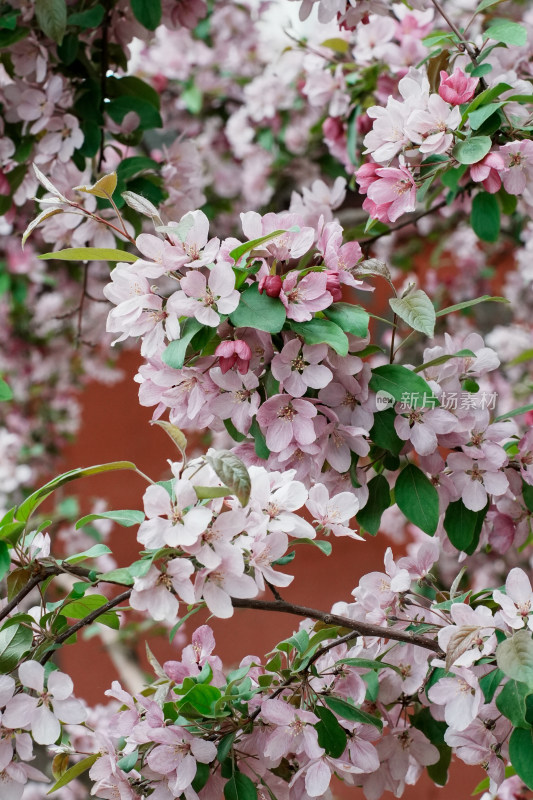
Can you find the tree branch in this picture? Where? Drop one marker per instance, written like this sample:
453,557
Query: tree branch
85,621
362,628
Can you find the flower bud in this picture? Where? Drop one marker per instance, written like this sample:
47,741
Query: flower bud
333,285
234,354
457,88
271,285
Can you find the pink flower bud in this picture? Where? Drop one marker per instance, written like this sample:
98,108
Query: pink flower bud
271,284
457,88
333,128
231,354
333,285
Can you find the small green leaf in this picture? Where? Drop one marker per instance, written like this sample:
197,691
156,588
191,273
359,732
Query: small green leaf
520,750
527,495
369,517
516,412
127,763
260,445
350,712
331,735
511,702
514,656
463,526
469,303
240,787
78,609
399,382
15,641
5,559
6,393
93,552
74,772
322,331
149,116
202,697
51,16
417,498
224,748
89,254
477,117
147,12
417,310
349,318
209,492
506,32
126,518
233,474
470,151
253,244
174,353
485,217
259,311
91,18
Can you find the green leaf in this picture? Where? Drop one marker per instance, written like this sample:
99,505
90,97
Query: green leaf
127,763
233,474
6,393
507,32
74,772
130,167
24,511
174,354
470,151
383,432
78,609
224,748
350,712
322,331
514,656
253,244
260,445
208,492
240,787
52,18
463,526
5,559
417,498
478,116
469,303
516,412
349,318
337,45
93,552
482,69
520,750
192,98
89,254
331,735
91,18
147,12
369,517
399,382
259,311
490,683
511,702
149,116
15,641
417,310
126,518
487,4
202,697
485,217
527,495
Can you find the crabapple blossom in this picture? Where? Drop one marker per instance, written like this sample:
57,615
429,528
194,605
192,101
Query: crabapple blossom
516,602
457,88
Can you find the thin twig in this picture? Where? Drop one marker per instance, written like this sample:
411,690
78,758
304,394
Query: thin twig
92,617
363,628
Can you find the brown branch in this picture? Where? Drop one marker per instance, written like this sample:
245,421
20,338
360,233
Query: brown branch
92,617
362,628
410,221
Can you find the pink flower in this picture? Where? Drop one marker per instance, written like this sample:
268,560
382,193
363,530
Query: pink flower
176,754
168,523
394,192
487,171
518,167
457,88
239,400
431,127
43,713
421,426
474,478
461,697
283,419
290,244
294,732
157,592
298,367
333,513
516,603
217,586
303,297
233,354
202,298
